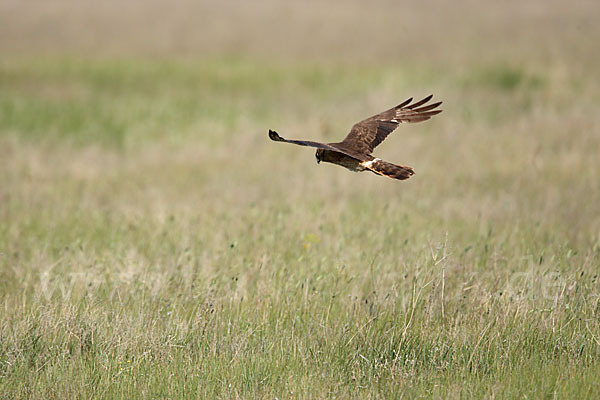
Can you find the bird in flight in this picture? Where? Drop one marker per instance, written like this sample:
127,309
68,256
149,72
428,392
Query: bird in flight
354,152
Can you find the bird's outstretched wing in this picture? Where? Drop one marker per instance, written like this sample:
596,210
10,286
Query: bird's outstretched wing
367,134
275,136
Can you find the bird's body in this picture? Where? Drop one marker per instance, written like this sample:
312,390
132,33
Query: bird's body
346,161
354,152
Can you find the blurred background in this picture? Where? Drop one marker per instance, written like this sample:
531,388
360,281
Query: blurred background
382,33
183,93
139,192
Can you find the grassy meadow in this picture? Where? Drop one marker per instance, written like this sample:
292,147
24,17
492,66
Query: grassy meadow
154,243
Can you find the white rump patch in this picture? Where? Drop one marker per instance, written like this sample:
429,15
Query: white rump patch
368,164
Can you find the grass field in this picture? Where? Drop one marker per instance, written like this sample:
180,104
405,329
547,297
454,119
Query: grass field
155,244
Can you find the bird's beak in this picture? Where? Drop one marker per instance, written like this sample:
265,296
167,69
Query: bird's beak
318,161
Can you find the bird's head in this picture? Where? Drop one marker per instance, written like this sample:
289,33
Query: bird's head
319,155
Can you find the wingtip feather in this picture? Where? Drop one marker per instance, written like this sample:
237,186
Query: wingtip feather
420,102
275,136
427,107
404,103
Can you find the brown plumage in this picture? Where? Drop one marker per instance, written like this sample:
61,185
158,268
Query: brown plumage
354,152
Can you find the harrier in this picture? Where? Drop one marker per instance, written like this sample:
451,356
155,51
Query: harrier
354,152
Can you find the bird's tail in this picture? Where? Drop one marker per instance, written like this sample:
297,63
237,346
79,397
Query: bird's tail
385,168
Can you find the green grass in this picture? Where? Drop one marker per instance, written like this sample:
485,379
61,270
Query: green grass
155,244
